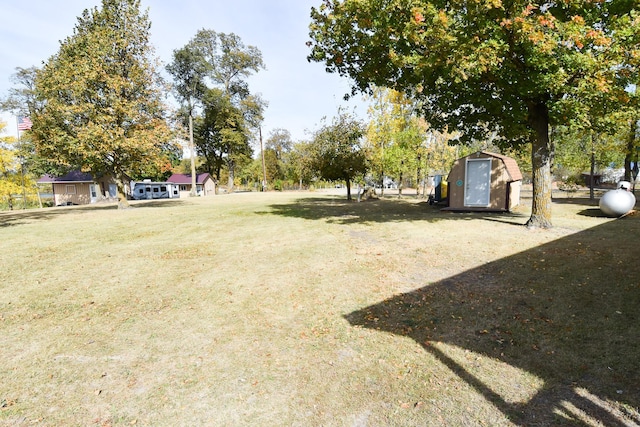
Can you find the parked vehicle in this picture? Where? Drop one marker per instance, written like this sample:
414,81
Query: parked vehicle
155,190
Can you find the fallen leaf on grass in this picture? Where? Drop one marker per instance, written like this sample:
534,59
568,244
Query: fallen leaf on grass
5,403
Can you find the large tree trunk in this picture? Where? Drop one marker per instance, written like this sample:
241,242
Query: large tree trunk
630,152
348,189
192,149
541,155
123,203
401,178
418,175
592,168
230,184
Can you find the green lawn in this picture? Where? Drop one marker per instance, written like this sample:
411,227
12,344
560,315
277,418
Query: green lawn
303,309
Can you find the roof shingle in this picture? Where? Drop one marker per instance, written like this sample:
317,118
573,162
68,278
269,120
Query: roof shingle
182,178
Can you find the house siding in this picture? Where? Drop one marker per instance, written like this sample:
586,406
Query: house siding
79,192
206,186
76,193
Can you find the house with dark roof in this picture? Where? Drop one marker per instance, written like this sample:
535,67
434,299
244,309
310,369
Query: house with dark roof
80,188
205,186
484,181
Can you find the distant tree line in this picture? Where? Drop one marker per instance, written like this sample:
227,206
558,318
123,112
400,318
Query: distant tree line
550,84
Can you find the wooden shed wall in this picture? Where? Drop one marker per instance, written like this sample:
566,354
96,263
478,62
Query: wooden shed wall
76,193
209,187
500,192
514,194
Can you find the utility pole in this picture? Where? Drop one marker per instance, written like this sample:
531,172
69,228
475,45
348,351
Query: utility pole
192,148
264,169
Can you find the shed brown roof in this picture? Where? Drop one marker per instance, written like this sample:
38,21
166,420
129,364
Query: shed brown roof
510,164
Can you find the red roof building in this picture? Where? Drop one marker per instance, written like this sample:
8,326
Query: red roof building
205,186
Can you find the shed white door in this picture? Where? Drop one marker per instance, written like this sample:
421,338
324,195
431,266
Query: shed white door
478,183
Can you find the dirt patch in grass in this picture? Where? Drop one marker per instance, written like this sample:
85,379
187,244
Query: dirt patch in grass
306,309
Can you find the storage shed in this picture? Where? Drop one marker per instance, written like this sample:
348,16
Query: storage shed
484,181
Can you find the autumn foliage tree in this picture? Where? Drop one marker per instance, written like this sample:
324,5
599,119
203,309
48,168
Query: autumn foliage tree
276,149
102,107
401,144
491,67
11,179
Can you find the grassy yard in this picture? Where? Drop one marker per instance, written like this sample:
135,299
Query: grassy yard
303,309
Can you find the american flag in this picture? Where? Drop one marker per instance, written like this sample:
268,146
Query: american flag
24,123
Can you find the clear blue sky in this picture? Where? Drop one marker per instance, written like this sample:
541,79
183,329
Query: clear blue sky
299,93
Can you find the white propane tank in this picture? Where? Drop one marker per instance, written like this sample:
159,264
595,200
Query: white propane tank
618,202
624,185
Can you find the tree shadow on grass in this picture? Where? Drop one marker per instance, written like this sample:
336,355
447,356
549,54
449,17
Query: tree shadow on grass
592,213
17,217
576,201
341,211
566,312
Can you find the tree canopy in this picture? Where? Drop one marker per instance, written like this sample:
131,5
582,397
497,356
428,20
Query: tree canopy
102,108
276,152
221,132
401,144
299,163
507,68
280,142
336,150
22,99
211,71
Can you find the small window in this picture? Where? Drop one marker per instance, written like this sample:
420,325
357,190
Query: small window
70,189
155,189
183,188
141,190
163,188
